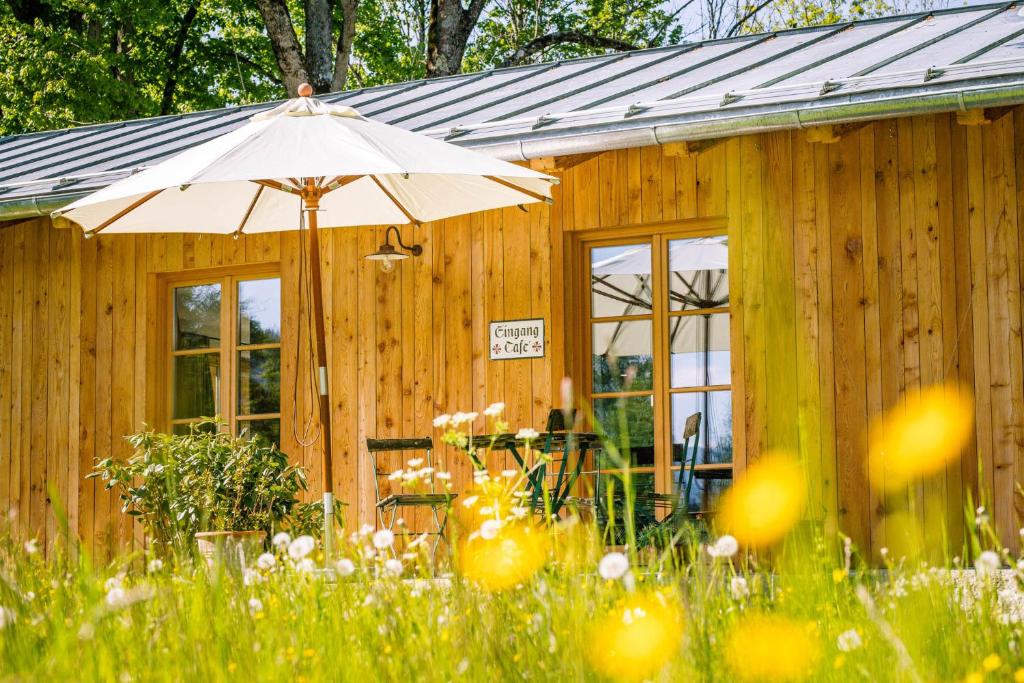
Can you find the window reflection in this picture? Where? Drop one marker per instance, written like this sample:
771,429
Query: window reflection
620,280
197,317
698,273
699,347
622,359
715,436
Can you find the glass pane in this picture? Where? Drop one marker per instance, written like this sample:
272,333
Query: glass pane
700,350
698,273
707,489
268,429
629,424
622,360
197,317
620,280
714,438
259,381
259,311
196,385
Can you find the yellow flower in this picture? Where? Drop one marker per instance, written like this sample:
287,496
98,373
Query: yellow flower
231,667
920,437
991,663
764,505
974,677
1018,676
771,648
637,638
513,555
838,575
308,652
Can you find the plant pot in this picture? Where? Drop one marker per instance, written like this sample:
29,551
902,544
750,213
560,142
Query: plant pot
232,549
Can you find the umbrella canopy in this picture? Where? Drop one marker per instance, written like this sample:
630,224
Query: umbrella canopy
370,173
305,155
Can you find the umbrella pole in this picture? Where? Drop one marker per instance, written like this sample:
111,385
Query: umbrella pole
311,199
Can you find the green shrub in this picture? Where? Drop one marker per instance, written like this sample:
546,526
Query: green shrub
206,480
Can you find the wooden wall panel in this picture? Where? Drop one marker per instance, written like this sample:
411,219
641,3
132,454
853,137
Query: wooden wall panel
860,270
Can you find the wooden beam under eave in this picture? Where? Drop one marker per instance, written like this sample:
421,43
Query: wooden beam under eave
688,148
559,164
981,117
833,132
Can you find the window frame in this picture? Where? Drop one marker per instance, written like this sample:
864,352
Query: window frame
228,278
581,320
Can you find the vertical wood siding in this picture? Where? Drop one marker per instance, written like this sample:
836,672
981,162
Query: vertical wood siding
860,269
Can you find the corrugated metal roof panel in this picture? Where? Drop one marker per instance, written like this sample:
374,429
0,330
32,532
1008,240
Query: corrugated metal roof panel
774,80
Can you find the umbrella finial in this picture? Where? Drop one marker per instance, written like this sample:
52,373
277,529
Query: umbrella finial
305,90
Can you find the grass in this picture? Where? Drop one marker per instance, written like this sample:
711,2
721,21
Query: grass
67,620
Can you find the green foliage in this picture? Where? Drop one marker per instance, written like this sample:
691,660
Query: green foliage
206,480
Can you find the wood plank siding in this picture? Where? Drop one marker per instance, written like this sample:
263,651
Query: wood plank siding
859,269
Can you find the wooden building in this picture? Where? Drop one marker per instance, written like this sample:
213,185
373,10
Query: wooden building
857,191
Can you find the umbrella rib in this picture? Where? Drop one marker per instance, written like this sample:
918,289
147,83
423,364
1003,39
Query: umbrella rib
248,212
340,181
395,201
277,186
529,193
123,212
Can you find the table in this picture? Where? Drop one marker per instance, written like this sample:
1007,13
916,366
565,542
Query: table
573,447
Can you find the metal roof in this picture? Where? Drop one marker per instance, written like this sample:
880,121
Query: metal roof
937,61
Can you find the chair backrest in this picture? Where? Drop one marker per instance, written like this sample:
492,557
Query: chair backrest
375,446
691,432
557,420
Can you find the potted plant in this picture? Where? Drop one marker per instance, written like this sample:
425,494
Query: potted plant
226,492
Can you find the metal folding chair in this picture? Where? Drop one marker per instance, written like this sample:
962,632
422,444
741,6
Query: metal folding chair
390,502
678,502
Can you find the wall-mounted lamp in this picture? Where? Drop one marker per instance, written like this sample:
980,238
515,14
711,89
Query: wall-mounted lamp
387,254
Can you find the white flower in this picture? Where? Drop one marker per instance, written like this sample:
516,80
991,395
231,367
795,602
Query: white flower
255,605
306,565
509,474
396,475
345,567
519,512
987,563
415,462
365,530
470,501
383,539
443,476
462,418
848,641
442,420
418,541
155,565
7,617
494,410
613,566
738,587
281,540
266,561
300,547
32,546
489,529
251,577
117,597
393,566
527,434
726,546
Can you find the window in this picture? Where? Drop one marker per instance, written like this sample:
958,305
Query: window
225,353
658,343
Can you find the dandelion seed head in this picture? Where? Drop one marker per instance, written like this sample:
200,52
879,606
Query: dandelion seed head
300,547
613,566
384,538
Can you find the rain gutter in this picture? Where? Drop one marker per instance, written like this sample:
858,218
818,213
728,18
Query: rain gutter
660,128
705,124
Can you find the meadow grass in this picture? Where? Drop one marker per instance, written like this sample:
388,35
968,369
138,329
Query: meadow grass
768,595
67,620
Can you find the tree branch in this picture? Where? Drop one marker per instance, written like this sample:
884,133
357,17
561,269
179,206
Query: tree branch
746,17
174,59
285,43
346,37
561,38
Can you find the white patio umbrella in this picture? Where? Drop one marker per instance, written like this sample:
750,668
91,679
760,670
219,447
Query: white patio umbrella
305,155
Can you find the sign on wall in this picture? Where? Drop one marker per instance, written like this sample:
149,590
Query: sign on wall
512,339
